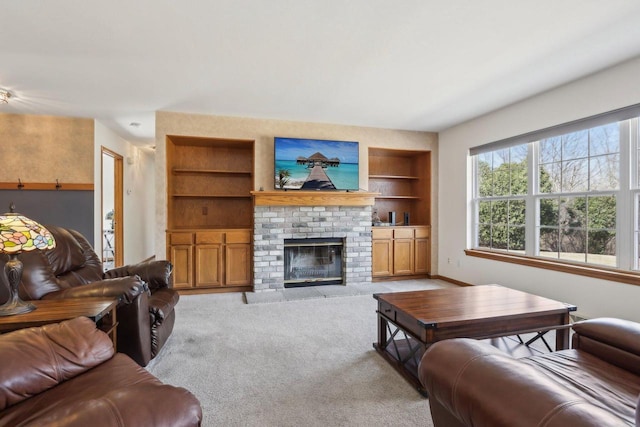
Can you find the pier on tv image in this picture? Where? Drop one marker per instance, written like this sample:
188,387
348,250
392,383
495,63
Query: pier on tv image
315,164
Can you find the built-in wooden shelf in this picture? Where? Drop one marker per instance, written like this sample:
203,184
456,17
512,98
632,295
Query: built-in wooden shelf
398,197
210,172
392,177
213,196
313,198
402,177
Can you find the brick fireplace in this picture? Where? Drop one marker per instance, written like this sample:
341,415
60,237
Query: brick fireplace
280,216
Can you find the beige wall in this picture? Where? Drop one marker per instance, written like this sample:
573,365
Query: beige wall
263,131
46,145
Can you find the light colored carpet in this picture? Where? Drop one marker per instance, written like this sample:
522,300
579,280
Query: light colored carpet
308,362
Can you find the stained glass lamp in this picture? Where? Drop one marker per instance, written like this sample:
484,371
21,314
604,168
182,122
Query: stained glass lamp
19,234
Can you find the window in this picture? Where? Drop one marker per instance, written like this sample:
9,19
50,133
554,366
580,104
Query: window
571,196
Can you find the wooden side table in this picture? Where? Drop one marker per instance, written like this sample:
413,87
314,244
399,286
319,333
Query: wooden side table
100,310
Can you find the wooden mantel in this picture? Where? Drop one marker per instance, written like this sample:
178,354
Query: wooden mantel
313,198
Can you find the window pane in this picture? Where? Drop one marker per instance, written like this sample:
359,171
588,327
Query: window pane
572,245
575,145
516,212
519,177
550,150
549,212
549,178
516,238
604,172
501,180
573,212
604,139
602,248
548,238
499,237
499,212
484,212
484,175
484,236
602,212
575,175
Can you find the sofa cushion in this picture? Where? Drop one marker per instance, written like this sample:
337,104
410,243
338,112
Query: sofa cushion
476,384
37,359
592,379
118,392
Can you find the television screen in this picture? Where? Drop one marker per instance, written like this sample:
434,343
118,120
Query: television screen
315,164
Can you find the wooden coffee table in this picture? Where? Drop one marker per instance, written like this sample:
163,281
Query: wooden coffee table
100,310
408,322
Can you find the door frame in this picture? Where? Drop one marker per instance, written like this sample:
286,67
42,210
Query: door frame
118,201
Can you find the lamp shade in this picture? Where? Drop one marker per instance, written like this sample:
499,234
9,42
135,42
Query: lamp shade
21,234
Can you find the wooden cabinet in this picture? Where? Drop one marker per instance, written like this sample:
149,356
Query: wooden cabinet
210,211
403,179
181,256
382,252
400,251
216,259
422,250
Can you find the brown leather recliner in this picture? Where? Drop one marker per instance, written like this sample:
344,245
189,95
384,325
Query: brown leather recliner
67,375
73,270
595,383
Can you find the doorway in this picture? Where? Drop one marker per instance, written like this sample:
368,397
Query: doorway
111,209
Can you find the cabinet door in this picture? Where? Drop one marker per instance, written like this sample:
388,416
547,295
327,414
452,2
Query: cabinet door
181,257
209,265
403,256
423,259
382,258
237,264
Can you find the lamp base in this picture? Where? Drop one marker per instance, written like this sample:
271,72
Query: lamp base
14,305
18,306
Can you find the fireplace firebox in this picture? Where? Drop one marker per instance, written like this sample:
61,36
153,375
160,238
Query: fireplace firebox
313,262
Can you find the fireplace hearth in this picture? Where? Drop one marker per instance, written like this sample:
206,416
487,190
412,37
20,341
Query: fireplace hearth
313,262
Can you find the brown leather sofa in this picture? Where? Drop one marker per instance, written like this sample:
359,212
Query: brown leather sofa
73,270
595,383
67,375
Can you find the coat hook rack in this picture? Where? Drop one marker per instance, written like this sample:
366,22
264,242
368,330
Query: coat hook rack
20,184
58,185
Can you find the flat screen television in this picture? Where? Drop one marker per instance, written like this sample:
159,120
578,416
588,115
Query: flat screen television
315,164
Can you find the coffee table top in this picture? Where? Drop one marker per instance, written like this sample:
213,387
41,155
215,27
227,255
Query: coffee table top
447,307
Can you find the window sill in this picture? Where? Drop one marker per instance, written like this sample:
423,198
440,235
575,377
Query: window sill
603,273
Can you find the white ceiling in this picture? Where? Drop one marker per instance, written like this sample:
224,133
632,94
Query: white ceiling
404,64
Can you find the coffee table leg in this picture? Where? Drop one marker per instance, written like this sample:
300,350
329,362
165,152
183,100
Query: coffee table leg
382,332
562,336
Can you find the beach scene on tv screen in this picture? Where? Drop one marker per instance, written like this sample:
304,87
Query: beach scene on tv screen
311,164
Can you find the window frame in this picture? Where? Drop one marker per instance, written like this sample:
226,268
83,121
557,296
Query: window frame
627,229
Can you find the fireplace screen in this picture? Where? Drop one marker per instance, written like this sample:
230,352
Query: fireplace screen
310,262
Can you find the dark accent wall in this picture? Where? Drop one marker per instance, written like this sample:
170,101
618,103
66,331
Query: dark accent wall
69,209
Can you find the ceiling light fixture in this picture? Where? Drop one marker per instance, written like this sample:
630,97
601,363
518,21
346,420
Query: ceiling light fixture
4,96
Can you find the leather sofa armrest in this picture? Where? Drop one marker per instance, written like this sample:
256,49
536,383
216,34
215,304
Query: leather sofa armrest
126,289
619,333
616,341
479,385
156,273
161,303
36,359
